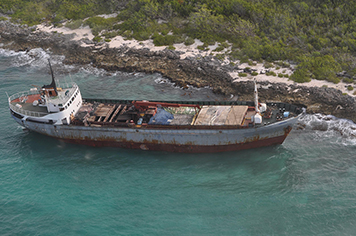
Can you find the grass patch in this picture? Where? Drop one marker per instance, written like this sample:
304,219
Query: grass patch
242,74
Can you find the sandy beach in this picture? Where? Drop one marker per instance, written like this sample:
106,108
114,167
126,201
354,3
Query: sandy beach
192,51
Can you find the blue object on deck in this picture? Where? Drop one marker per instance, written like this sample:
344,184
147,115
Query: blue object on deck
162,117
286,114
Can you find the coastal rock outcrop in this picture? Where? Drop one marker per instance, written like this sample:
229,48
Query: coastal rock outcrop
198,72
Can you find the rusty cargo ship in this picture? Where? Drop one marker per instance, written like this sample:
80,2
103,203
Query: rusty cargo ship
62,113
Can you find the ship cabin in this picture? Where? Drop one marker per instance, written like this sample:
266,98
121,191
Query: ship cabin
48,104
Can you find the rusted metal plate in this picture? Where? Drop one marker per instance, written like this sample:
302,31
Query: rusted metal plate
236,115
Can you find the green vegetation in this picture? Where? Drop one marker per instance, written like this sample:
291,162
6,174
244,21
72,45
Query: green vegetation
347,80
350,88
243,74
318,36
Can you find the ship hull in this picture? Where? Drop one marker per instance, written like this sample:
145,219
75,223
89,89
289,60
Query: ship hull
171,139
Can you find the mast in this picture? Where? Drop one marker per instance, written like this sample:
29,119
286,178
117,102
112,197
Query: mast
256,98
51,88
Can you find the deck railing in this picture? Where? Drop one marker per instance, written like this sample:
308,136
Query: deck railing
32,92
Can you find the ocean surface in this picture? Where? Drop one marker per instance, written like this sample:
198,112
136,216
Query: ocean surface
306,186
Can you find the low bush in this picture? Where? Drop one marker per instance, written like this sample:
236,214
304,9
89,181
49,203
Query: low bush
242,74
74,24
201,47
348,80
188,41
271,73
268,65
97,39
171,47
301,76
161,40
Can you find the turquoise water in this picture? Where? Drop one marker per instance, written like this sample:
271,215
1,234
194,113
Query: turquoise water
304,187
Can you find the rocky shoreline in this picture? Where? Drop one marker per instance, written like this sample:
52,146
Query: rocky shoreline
195,71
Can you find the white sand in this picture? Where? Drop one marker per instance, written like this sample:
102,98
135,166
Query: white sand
275,79
80,33
192,51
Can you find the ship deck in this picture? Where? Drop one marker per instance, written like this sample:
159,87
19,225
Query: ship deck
24,105
210,115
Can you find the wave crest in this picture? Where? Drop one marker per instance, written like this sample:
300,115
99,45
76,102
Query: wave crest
329,126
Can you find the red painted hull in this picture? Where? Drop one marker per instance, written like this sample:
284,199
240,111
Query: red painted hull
183,148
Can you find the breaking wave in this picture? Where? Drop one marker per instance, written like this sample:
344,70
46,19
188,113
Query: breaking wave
328,126
36,58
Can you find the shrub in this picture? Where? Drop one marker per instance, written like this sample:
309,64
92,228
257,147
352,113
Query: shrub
160,40
111,34
188,41
74,24
301,76
348,80
170,47
271,73
97,39
282,64
242,74
280,75
2,18
250,63
219,49
201,47
254,73
333,79
141,36
268,65
350,88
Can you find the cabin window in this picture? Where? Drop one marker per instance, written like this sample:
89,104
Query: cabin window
50,93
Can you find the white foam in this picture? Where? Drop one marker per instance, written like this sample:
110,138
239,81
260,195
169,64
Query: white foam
328,126
37,58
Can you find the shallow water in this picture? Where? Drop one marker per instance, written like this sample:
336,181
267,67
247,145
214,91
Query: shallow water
304,187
